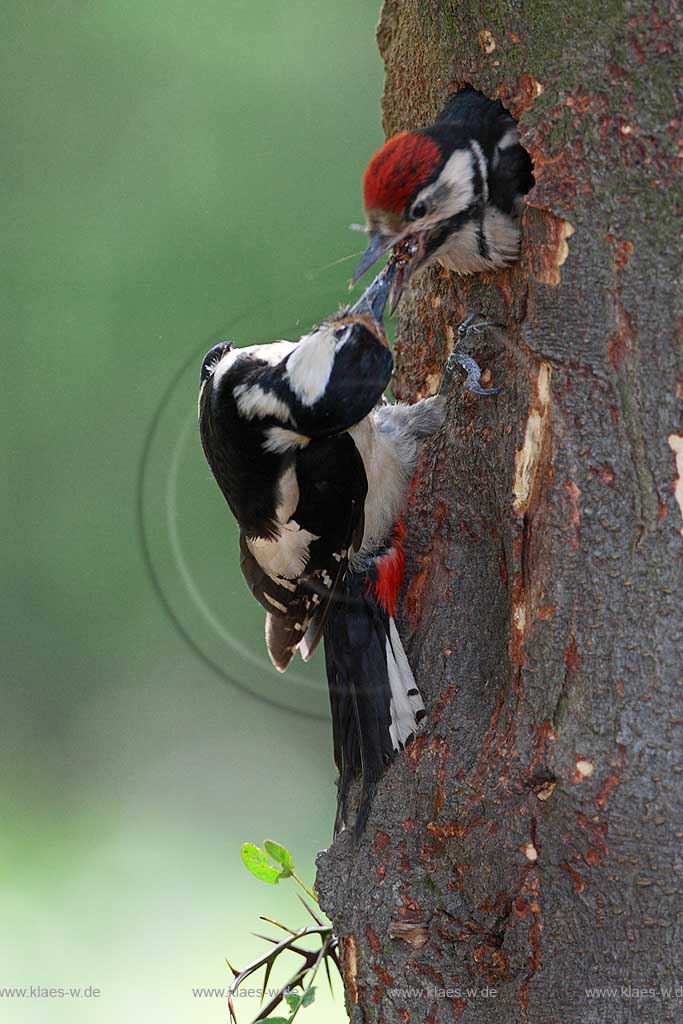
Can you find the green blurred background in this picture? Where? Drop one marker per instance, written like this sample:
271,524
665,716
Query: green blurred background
172,174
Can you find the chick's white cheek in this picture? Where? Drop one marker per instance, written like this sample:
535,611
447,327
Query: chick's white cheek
453,190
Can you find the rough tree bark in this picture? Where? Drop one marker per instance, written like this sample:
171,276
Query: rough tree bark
530,838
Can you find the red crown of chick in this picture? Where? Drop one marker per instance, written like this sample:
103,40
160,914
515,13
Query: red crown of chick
397,170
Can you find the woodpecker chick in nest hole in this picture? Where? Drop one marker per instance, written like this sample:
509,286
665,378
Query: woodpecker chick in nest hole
454,190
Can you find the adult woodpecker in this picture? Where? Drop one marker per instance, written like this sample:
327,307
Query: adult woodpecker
454,190
315,467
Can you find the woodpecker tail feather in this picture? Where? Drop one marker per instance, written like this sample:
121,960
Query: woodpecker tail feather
375,702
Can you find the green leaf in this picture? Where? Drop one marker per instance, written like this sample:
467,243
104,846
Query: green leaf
308,996
294,1000
274,1020
256,861
281,856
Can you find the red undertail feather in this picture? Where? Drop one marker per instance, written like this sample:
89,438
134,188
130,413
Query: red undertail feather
390,568
398,169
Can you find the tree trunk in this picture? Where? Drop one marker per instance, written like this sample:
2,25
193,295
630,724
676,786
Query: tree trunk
529,840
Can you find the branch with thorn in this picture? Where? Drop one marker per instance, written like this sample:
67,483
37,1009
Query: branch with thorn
311,959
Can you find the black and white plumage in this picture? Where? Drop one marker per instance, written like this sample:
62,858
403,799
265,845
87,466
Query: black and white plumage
455,189
315,468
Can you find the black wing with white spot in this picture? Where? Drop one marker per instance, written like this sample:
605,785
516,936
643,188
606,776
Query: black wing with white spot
332,488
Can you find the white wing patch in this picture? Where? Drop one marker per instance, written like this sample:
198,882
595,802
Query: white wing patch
287,495
287,555
279,439
253,400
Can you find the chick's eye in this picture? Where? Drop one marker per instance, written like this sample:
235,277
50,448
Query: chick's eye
418,211
340,332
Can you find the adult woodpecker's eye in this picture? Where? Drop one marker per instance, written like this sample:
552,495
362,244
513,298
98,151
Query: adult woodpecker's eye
418,211
340,332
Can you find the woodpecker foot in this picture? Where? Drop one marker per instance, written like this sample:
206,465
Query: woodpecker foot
473,371
471,325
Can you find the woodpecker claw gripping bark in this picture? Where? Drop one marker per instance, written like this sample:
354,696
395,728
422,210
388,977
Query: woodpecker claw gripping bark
473,371
469,326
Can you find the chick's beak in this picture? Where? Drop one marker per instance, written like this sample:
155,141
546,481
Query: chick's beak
399,284
409,257
379,244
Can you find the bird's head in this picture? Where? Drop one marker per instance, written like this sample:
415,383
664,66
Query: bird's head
414,188
322,384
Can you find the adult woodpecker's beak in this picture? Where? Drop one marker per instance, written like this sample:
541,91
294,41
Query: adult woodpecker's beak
408,256
376,295
379,244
